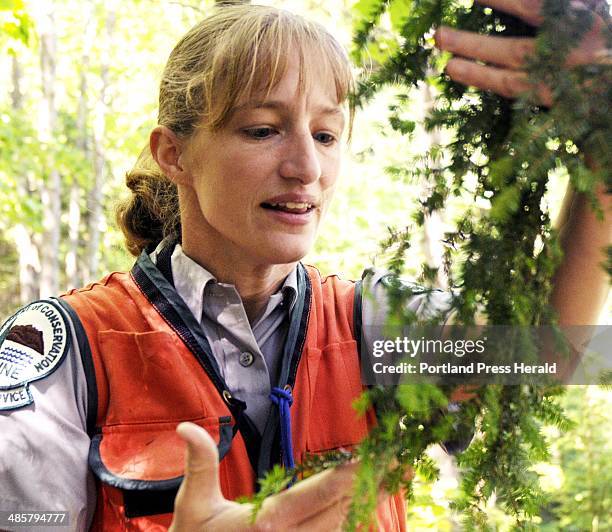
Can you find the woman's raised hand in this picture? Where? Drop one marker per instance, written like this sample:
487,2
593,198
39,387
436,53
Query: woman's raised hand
320,502
505,57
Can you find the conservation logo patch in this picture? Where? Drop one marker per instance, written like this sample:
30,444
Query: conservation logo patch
32,345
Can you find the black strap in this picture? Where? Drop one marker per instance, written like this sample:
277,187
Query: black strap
164,262
357,314
88,366
250,434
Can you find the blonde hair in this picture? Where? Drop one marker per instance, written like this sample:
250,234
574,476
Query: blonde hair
238,51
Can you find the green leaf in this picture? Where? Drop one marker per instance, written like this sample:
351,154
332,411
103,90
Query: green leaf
11,5
422,398
500,170
505,203
399,11
583,179
366,9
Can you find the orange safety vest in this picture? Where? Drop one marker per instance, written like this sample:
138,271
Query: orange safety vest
149,367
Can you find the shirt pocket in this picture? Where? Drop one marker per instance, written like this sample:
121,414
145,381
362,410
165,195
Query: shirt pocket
149,378
335,383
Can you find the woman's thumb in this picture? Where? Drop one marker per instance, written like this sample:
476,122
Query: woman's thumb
201,465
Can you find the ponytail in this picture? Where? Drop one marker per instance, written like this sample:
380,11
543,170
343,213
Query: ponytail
152,212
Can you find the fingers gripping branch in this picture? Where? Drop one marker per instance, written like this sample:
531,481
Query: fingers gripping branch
498,64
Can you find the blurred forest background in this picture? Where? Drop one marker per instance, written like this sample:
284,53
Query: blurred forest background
79,83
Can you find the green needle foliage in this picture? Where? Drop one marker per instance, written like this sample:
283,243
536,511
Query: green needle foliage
499,261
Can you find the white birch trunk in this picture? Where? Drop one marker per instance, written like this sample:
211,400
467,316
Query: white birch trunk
51,187
74,270
29,260
99,156
74,224
433,227
29,263
16,94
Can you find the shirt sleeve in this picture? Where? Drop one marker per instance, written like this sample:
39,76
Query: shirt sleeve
44,445
426,304
375,305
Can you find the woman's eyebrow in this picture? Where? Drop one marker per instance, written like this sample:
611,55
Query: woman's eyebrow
282,106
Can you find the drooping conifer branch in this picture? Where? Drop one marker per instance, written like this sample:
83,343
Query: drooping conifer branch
499,261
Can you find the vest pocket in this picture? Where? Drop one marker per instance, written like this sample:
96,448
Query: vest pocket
334,382
146,461
150,378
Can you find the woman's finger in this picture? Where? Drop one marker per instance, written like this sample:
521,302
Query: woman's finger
309,497
199,501
510,52
513,51
527,10
505,82
328,520
201,479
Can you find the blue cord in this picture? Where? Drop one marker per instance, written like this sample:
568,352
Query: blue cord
284,400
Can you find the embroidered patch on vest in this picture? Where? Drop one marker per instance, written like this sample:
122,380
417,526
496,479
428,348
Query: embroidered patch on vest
33,343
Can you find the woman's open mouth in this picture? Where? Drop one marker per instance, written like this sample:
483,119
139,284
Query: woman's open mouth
290,207
295,213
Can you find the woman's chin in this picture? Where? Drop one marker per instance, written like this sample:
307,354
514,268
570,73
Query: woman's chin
287,252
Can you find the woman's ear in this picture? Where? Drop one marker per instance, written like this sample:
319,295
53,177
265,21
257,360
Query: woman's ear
166,149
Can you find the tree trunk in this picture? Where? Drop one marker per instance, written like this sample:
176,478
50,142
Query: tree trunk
74,269
29,260
74,224
99,155
16,94
51,187
433,230
29,264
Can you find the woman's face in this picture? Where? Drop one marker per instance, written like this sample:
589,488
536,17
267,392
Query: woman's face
264,181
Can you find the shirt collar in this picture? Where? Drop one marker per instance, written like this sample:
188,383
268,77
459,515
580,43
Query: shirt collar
191,279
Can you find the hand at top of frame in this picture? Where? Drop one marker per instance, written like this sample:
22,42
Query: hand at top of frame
505,58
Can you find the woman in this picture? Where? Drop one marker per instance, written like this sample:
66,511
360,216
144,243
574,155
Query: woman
218,324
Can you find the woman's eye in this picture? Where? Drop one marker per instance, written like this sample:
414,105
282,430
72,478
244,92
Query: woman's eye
324,138
260,132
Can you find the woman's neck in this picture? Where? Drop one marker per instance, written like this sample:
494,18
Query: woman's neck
255,283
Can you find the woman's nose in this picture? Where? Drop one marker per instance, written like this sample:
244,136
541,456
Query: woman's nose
301,159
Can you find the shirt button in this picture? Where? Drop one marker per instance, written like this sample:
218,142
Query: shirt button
246,359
